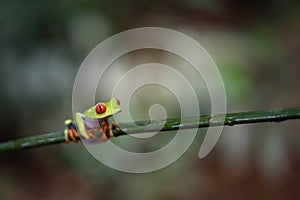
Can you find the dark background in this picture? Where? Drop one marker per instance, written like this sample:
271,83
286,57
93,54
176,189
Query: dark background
255,45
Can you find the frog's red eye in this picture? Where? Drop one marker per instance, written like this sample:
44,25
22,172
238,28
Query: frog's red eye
100,108
118,101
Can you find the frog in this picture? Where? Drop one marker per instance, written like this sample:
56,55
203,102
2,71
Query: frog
94,120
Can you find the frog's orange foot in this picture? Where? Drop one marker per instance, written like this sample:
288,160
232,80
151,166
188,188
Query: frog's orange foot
107,132
115,126
72,134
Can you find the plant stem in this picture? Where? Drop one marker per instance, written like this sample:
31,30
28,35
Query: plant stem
229,119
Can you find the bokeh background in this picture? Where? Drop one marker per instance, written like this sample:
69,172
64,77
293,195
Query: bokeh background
256,46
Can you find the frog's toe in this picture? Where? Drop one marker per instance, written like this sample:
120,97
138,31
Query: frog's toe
71,134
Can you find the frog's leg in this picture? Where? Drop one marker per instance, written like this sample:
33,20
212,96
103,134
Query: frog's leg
107,130
80,125
70,131
90,133
103,129
115,126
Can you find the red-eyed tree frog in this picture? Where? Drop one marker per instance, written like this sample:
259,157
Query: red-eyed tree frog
93,121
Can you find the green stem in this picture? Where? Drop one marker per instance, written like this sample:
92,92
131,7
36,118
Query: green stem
165,125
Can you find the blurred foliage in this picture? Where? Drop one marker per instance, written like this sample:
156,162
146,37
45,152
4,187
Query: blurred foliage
254,43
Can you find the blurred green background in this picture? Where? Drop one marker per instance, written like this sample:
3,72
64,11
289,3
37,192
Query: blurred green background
255,45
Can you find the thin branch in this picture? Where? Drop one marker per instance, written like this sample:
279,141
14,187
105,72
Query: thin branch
229,119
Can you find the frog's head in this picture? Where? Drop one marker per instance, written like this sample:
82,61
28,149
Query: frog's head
103,109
